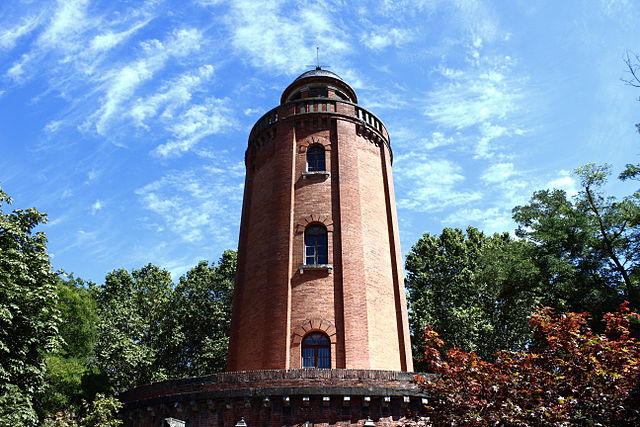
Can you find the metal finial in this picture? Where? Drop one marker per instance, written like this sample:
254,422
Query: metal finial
317,64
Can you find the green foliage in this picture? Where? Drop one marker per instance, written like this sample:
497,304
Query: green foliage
132,333
475,290
28,312
202,316
101,412
16,408
571,376
150,330
69,378
586,248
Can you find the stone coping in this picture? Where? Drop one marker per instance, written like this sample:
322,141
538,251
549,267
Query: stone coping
280,382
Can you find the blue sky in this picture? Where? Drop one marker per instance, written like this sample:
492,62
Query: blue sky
127,121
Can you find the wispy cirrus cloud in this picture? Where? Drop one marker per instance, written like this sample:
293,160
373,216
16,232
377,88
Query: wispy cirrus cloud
482,100
283,36
381,38
196,204
121,83
10,36
431,185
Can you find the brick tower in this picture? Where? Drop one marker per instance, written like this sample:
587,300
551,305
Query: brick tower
319,280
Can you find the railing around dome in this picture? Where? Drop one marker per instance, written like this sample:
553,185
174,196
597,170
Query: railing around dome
319,106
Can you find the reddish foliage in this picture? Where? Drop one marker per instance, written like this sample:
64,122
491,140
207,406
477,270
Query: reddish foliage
570,376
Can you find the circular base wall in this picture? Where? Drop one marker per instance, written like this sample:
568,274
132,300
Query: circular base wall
275,398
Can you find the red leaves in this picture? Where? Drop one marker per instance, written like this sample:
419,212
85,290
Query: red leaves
569,376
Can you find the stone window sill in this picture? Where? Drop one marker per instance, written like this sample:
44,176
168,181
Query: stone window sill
315,173
326,267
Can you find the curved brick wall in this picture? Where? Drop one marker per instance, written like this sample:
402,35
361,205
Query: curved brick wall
276,398
360,302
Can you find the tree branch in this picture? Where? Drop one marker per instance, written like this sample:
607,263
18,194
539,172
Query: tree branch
632,61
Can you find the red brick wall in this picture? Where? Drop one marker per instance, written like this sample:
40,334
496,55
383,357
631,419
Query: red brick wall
361,300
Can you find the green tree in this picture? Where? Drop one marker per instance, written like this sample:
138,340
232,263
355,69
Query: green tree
151,330
586,248
100,412
69,378
132,334
201,317
28,312
475,290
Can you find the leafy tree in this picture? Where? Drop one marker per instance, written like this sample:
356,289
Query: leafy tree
69,378
586,248
201,317
151,330
475,290
571,376
28,313
132,333
101,412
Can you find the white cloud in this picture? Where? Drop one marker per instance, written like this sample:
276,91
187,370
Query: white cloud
67,21
110,39
120,84
196,123
430,185
282,37
490,220
173,95
197,204
482,100
498,173
384,37
10,36
96,206
564,182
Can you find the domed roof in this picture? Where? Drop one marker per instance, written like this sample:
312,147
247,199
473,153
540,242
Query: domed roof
318,72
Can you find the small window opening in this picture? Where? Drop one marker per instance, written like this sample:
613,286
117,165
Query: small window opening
315,245
316,351
316,159
318,92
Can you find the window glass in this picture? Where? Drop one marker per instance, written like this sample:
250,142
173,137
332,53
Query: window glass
316,245
316,351
316,158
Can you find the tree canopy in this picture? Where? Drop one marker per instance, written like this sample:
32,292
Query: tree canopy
569,376
475,290
28,312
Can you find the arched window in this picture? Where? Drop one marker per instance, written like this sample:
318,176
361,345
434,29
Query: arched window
315,245
316,351
315,158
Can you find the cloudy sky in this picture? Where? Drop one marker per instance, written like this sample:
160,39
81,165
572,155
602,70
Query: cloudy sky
126,121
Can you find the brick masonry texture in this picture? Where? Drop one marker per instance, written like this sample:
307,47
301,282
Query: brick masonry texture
336,397
362,297
359,303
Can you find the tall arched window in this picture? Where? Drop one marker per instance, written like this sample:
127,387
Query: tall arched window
316,351
315,158
315,245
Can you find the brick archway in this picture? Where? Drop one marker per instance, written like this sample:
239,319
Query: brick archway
312,325
314,140
314,218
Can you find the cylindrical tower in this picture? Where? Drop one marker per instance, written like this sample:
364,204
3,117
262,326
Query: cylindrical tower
319,280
